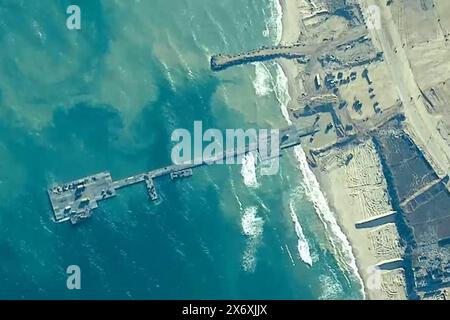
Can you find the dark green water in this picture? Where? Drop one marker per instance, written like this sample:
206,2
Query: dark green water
107,97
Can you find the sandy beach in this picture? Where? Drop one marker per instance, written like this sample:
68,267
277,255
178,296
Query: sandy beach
356,193
291,32
369,94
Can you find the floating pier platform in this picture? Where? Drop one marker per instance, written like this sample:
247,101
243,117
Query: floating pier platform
151,189
75,201
181,174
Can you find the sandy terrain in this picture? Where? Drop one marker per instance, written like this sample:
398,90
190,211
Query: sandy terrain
355,189
290,21
379,95
291,32
421,124
357,192
427,45
399,69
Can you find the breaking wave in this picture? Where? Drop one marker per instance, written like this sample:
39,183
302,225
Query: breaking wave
344,253
282,92
248,170
262,82
339,241
302,244
169,76
274,22
252,225
330,287
252,228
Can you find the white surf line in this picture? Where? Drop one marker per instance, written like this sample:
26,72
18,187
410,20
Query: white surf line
252,227
236,197
312,185
262,80
282,94
302,243
320,203
281,89
248,170
278,19
327,216
290,255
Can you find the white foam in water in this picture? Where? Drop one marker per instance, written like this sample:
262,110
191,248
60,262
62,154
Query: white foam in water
311,184
249,259
302,245
282,92
327,216
274,22
338,239
252,228
262,82
331,288
289,253
233,189
281,86
248,170
39,32
262,204
278,20
169,76
252,225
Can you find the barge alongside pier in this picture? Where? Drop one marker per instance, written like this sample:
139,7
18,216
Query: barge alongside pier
75,201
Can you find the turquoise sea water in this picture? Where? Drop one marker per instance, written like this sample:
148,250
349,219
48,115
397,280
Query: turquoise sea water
107,97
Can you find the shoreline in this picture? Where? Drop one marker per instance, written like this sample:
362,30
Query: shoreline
345,195
290,34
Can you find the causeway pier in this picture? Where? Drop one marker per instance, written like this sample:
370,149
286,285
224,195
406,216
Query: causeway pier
223,61
302,52
76,200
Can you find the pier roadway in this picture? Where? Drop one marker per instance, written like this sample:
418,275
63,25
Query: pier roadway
74,201
301,51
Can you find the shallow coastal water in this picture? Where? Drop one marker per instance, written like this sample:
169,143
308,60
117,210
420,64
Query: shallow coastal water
73,103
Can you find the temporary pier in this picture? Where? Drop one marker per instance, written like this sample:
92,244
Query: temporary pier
222,61
75,200
302,52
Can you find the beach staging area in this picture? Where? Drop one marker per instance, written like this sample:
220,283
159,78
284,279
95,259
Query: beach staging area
374,77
